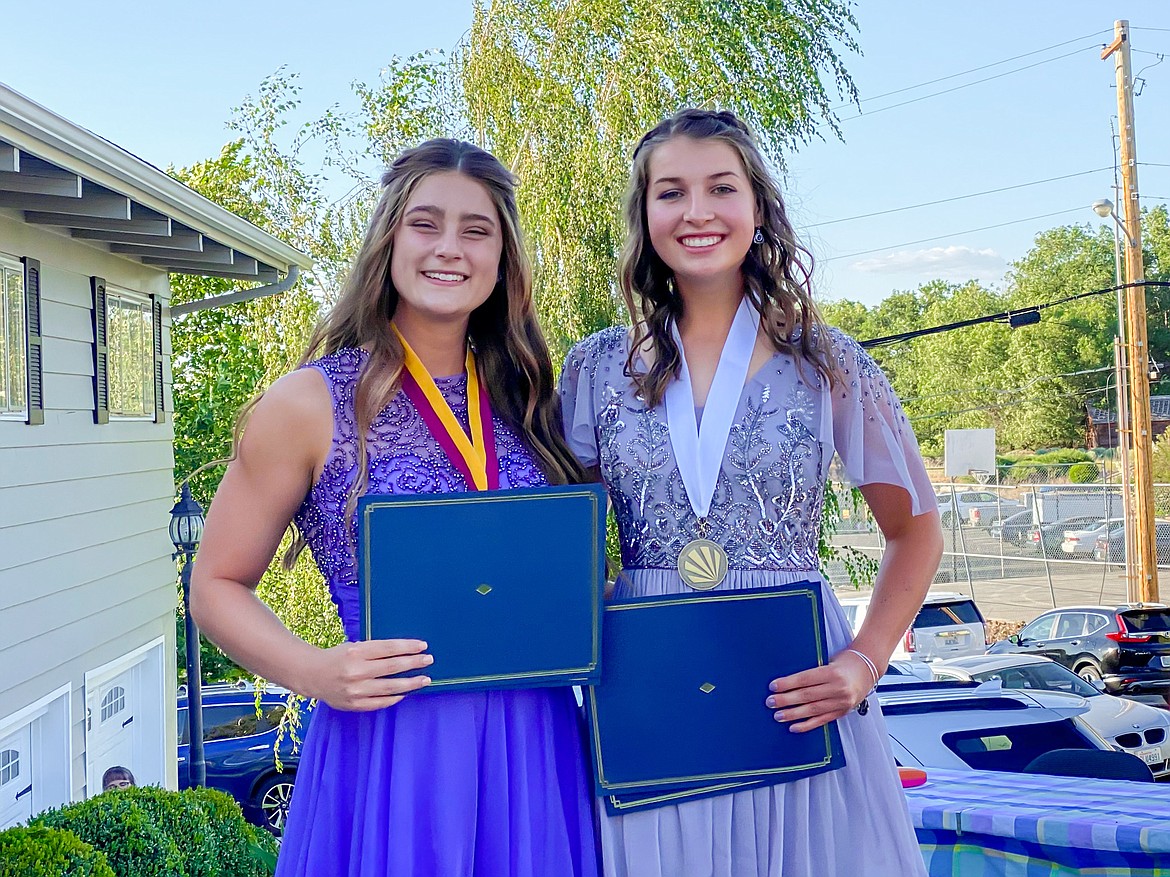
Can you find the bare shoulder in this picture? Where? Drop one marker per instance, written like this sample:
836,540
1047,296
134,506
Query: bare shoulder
294,417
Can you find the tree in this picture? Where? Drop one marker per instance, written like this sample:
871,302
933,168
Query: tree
562,90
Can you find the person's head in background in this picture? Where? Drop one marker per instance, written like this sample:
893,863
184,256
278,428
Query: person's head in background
117,777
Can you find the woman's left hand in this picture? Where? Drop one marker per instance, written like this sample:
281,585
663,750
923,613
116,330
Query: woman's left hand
815,697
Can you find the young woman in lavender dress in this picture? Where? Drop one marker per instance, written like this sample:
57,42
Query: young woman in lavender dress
726,338
393,781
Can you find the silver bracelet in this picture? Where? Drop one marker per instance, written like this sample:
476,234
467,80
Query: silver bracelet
863,707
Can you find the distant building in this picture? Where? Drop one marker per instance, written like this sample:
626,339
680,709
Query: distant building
1102,426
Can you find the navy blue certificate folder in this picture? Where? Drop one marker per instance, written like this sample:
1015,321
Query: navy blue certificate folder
679,712
505,586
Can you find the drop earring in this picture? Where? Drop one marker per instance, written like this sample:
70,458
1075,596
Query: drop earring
759,238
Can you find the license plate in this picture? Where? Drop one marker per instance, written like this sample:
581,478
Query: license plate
1151,756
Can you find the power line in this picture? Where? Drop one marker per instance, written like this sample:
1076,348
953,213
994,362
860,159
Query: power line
1158,29
964,85
959,198
1014,318
977,69
1151,164
952,234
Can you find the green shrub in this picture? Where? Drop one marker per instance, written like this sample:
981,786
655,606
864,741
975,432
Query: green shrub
116,824
152,832
1065,455
1083,473
36,851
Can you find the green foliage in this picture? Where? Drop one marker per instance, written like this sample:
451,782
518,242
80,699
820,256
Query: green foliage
152,832
1083,473
1030,384
861,568
561,91
214,665
37,851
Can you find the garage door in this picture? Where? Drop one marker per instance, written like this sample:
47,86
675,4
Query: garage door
112,717
16,778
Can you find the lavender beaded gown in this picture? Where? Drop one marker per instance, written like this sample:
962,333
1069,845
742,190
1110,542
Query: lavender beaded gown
467,784
766,511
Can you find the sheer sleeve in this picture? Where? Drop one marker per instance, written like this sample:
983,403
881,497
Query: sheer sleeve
870,430
578,410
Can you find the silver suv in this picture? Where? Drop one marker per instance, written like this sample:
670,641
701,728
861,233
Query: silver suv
947,626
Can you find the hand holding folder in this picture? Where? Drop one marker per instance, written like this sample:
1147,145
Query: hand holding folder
679,712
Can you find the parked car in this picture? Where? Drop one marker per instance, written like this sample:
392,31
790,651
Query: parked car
1128,647
239,747
1110,546
1014,529
980,726
990,506
947,626
1128,726
1080,543
1046,538
984,516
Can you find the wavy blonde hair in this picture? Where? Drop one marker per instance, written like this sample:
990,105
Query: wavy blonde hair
511,352
777,273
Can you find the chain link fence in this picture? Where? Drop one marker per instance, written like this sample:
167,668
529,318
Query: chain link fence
1022,540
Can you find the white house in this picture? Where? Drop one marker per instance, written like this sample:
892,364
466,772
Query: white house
88,237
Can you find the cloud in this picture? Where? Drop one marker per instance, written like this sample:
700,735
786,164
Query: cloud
943,263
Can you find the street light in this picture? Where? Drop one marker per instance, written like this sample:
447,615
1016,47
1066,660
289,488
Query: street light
1104,208
186,530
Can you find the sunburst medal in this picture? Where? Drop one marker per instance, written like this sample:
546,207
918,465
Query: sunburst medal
702,564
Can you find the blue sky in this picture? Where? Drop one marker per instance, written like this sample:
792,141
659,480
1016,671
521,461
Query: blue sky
160,79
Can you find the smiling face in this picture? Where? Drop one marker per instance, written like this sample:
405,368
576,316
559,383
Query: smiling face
700,213
445,260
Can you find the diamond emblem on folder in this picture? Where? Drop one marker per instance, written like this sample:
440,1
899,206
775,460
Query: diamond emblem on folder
484,589
706,688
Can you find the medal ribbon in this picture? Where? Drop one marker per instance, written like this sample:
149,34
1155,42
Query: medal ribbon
475,458
698,450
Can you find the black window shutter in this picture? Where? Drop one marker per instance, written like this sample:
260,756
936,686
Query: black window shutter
101,353
32,327
160,414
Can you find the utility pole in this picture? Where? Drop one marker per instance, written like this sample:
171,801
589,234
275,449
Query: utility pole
1135,312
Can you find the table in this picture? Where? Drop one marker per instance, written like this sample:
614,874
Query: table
992,824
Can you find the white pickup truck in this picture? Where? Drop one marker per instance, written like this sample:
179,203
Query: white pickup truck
979,508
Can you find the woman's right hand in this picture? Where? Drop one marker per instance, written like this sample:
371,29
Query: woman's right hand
362,676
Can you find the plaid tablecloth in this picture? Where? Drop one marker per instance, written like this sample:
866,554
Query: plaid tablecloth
990,824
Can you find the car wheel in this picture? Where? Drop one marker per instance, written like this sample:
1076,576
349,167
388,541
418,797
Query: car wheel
272,800
1090,672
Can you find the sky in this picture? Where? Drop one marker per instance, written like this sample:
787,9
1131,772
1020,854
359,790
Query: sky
160,80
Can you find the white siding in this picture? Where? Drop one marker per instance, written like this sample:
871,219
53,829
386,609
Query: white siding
85,561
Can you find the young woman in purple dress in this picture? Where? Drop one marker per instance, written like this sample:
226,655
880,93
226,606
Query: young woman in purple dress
713,422
394,780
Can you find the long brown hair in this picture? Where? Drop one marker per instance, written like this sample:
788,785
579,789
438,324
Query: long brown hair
777,273
511,353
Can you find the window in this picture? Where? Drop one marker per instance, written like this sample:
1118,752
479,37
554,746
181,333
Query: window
13,362
947,614
238,720
1041,628
1070,624
114,702
1013,747
9,765
130,341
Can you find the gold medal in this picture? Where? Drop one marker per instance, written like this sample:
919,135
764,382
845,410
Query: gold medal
702,564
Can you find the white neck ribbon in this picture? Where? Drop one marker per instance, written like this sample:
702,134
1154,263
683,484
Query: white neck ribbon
699,450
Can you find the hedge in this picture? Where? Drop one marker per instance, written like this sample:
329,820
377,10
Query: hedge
152,832
36,851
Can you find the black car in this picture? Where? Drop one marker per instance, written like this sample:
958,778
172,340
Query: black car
240,747
1126,646
1014,529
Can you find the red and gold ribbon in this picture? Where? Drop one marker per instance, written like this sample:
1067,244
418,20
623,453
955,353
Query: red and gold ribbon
474,457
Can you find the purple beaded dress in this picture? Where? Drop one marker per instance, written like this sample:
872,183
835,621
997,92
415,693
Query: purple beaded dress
766,512
467,784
